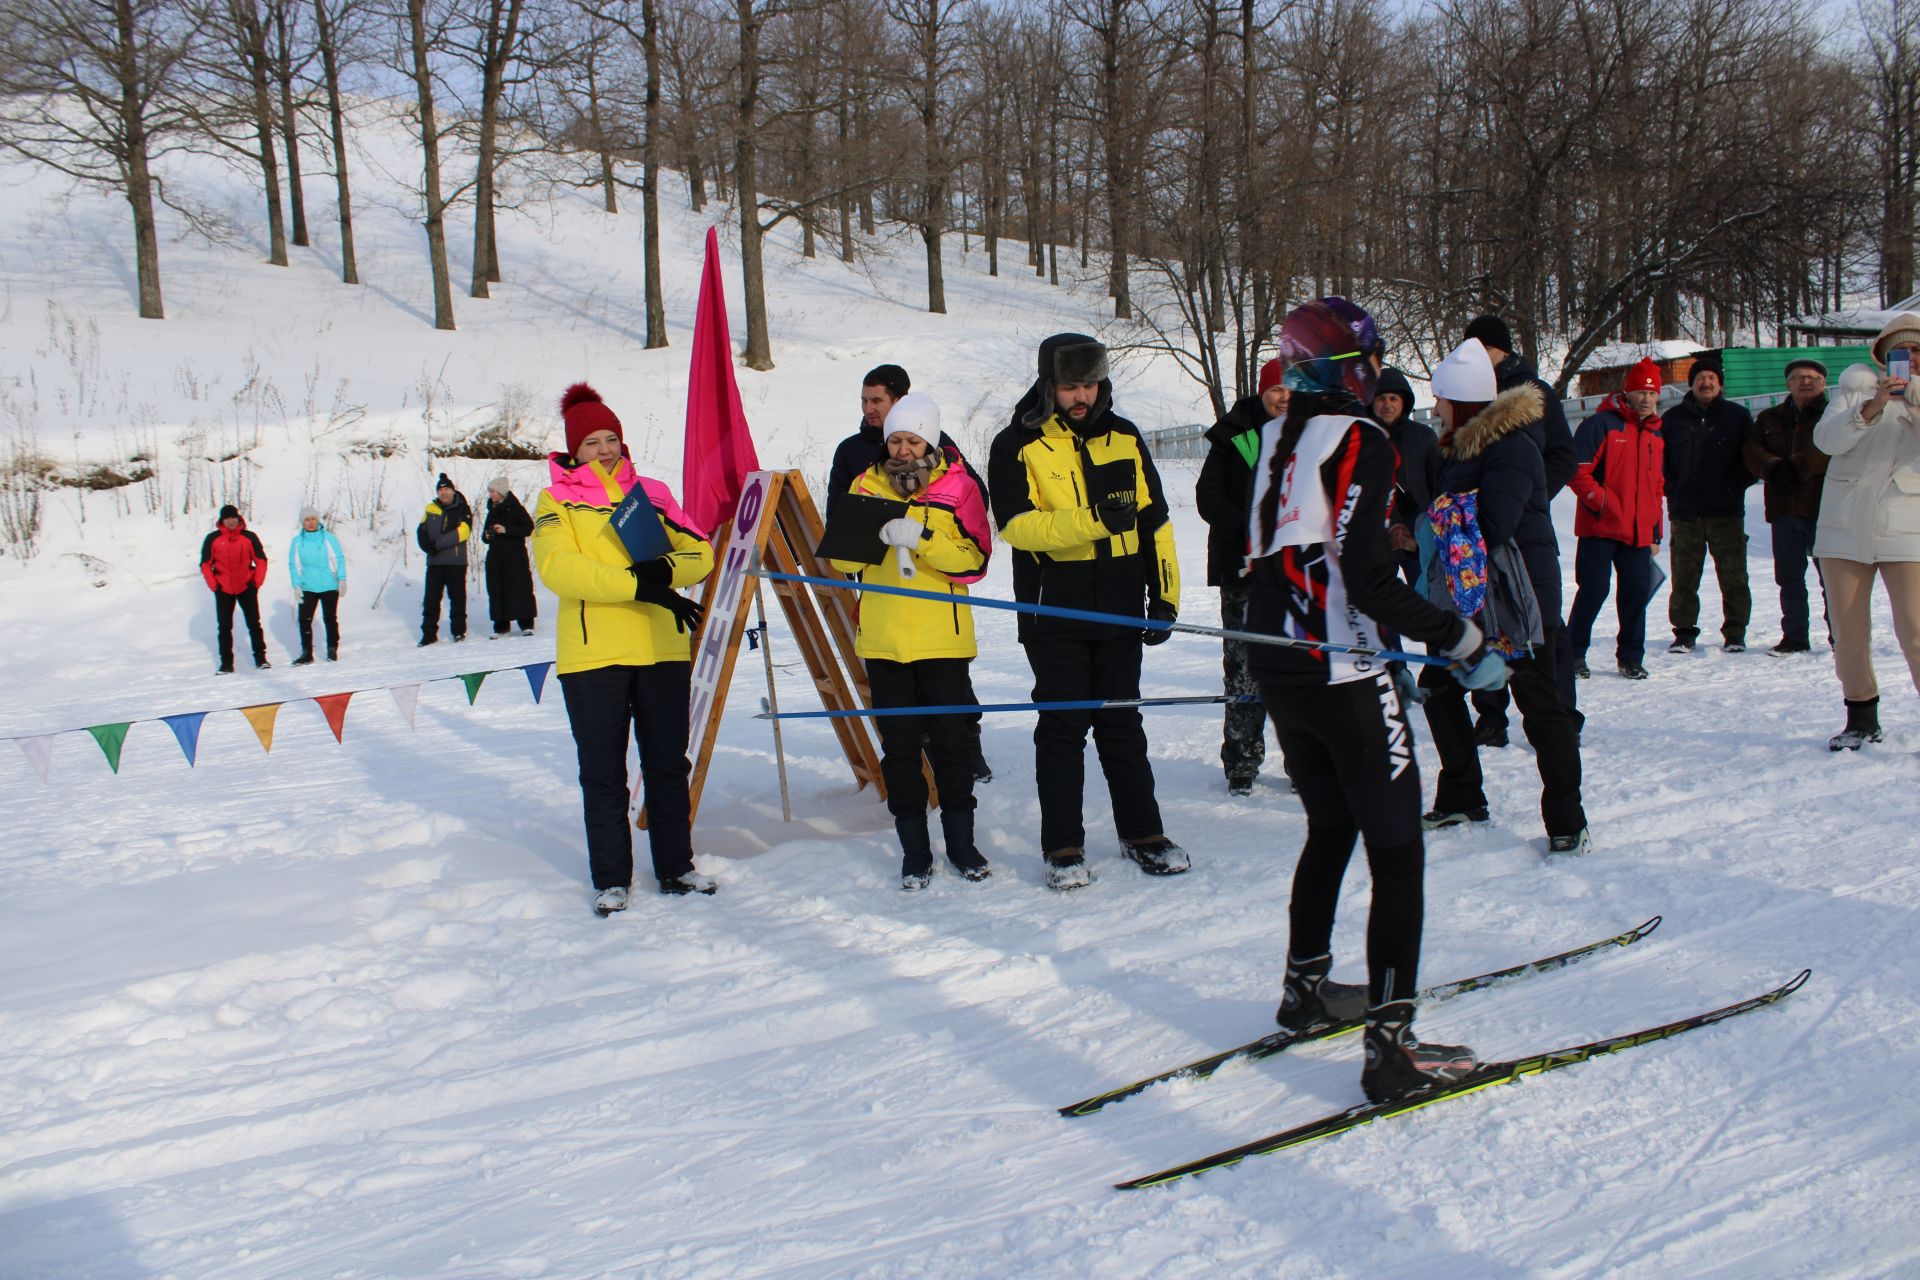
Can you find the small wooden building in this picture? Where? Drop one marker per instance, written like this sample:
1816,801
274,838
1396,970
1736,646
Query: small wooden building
1605,370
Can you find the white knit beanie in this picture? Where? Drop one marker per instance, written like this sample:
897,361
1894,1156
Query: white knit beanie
916,413
1466,375
309,513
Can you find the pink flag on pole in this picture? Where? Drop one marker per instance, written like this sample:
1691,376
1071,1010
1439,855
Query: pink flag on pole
719,448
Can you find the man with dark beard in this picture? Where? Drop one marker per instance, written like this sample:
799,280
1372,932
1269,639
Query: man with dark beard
1077,498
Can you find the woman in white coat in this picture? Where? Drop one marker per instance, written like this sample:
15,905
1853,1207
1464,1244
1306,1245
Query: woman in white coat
1870,520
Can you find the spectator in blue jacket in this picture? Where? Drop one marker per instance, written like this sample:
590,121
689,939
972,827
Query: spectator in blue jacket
319,570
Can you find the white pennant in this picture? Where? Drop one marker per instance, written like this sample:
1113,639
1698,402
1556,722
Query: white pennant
407,698
39,750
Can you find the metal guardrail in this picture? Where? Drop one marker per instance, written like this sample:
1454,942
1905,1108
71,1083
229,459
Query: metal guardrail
1190,440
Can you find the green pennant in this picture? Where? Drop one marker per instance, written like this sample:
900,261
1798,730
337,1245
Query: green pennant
111,738
473,683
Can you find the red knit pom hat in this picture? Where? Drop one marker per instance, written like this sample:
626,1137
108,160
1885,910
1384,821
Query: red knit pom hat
1270,374
1644,376
584,412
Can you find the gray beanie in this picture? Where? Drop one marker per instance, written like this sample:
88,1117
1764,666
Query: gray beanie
498,485
309,513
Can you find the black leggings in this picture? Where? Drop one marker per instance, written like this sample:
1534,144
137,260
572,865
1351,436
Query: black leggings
1349,752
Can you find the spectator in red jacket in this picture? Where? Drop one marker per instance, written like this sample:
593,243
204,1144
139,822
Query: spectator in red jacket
234,565
1621,486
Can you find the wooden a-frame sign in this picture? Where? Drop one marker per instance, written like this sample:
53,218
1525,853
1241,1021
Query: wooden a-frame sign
776,526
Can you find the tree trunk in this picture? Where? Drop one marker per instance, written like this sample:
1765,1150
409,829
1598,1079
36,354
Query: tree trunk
253,33
840,169
430,151
746,183
502,34
597,121
132,78
289,119
337,128
650,178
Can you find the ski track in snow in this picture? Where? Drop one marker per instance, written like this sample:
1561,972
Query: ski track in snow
342,1011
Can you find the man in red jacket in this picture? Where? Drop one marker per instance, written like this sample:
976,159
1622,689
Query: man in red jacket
1622,488
234,565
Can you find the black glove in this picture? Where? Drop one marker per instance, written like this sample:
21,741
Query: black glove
687,615
1784,473
1159,611
1117,514
656,571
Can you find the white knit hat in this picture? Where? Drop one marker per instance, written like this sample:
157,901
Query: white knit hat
1466,375
309,513
498,485
917,414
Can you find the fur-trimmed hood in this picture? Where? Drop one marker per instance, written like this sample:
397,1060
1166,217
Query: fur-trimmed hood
1510,411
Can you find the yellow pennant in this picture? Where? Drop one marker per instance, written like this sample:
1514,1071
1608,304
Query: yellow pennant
261,718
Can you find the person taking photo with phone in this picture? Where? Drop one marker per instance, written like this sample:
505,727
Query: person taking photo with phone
1870,518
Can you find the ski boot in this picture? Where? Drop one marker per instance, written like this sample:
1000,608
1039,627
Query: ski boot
1310,999
1399,1064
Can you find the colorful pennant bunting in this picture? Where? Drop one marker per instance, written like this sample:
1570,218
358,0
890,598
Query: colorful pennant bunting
39,752
111,738
537,677
186,730
334,707
261,718
407,698
473,681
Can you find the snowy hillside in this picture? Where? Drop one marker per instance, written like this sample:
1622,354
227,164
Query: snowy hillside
341,1009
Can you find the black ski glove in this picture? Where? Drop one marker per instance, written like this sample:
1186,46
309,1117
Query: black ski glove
657,571
1159,611
1784,472
1116,514
687,615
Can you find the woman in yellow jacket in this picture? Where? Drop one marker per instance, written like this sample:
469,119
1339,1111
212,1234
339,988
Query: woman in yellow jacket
624,648
917,651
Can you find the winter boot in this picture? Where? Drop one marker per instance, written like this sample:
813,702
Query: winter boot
1240,784
1157,855
1311,1000
1632,671
1580,670
1683,642
957,827
916,864
1398,1064
1572,845
1436,818
1490,732
609,901
1788,647
1068,869
304,660
982,771
690,882
1863,726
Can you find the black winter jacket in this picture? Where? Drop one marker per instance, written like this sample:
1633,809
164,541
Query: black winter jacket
1705,463
1550,433
853,455
1494,454
1225,489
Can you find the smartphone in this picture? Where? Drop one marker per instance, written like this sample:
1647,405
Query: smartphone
1900,364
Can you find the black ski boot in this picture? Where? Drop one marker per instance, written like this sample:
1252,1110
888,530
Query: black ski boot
916,864
1863,726
957,827
1310,1000
1399,1064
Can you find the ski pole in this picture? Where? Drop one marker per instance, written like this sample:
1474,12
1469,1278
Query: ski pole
1108,619
970,709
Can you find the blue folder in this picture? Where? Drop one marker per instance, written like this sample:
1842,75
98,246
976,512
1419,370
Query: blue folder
639,528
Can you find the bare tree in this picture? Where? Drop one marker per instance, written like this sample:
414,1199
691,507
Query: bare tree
86,89
334,24
419,48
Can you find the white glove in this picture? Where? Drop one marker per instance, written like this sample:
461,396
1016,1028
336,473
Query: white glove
901,533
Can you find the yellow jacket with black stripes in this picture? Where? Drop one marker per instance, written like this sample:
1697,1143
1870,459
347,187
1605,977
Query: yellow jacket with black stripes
1062,554
901,629
583,561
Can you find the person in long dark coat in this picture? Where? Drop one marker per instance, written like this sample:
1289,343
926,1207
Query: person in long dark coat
509,576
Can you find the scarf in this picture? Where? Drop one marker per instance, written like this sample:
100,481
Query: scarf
909,477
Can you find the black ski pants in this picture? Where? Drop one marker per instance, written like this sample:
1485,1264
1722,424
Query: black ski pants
949,739
1349,752
603,706
1492,704
1074,670
452,579
249,602
1243,748
328,603
1549,726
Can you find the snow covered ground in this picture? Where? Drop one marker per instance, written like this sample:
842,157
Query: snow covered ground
341,1010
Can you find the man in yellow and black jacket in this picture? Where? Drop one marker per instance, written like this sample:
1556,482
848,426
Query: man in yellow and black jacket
1078,501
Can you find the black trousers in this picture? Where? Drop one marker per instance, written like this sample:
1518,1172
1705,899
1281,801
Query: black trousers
452,579
603,706
1243,747
1549,726
1349,751
948,740
1595,563
249,602
1492,704
1072,670
328,602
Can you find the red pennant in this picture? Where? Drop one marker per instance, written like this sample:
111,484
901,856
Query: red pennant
334,707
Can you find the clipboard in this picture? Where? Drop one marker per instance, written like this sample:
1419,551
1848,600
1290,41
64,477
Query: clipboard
854,532
638,527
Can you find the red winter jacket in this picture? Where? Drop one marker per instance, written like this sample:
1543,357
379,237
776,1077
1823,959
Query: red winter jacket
232,560
1620,482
